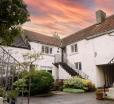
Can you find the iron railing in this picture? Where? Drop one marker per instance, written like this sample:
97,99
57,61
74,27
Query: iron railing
9,67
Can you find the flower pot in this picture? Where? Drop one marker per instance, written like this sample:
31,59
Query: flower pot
99,96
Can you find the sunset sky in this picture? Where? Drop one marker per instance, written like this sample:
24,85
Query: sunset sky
64,16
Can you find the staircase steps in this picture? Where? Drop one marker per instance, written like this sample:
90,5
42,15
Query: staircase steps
71,71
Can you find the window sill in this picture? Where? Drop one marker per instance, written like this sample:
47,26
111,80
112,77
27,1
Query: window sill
48,54
73,53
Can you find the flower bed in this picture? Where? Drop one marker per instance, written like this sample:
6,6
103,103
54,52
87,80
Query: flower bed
79,83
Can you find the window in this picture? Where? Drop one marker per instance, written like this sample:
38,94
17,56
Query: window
50,71
78,65
46,50
74,48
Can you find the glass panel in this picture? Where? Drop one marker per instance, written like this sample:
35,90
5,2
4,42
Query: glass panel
50,71
76,48
80,66
43,49
72,48
50,50
76,64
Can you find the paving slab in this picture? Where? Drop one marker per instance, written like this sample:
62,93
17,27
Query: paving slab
66,98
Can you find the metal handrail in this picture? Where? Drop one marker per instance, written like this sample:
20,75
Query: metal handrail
110,62
81,73
11,56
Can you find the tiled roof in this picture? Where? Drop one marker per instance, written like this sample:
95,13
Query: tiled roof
90,31
21,42
95,29
37,37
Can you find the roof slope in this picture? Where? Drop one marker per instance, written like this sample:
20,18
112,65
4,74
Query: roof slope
21,42
37,37
107,25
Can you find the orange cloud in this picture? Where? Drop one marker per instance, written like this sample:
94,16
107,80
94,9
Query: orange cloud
63,16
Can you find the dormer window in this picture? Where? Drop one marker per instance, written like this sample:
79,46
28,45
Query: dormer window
74,48
46,49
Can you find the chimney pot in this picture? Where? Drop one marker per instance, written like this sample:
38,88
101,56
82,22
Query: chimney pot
100,16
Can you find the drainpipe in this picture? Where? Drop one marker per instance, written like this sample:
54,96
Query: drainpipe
105,81
62,57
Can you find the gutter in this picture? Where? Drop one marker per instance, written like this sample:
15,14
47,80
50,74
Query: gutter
100,34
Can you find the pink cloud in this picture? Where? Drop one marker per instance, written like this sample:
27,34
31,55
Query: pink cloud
64,16
106,5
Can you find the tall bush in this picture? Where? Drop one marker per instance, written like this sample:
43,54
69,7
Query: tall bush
41,81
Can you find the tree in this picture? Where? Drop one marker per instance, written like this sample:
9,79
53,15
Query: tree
13,13
30,58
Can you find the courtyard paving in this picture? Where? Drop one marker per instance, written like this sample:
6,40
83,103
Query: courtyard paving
66,98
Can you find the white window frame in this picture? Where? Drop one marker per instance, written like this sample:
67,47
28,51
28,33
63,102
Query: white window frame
74,48
47,49
78,65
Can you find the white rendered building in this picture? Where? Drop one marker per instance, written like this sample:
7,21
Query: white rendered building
88,53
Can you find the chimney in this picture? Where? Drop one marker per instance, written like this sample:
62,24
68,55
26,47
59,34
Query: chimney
100,16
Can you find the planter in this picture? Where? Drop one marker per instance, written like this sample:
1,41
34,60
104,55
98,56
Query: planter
99,94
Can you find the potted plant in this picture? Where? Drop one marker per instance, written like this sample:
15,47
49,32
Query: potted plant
99,94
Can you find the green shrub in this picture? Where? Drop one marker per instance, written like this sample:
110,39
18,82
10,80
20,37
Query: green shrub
12,94
20,86
2,92
89,86
41,81
79,83
74,82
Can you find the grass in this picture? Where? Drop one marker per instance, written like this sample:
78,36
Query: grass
71,90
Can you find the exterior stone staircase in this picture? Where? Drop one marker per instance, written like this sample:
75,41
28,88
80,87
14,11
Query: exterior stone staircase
71,71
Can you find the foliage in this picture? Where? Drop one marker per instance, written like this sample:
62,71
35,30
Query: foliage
71,90
2,92
79,83
74,82
30,58
88,85
13,13
41,81
12,94
23,74
20,85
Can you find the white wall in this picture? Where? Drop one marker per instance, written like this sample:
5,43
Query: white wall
17,53
47,60
44,63
104,46
63,74
84,55
96,51
100,77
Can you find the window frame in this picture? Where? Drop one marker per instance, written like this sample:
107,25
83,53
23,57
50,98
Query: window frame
47,49
74,48
78,65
